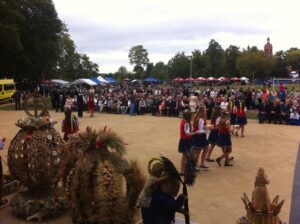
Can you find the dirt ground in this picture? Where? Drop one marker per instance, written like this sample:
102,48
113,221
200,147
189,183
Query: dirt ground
216,196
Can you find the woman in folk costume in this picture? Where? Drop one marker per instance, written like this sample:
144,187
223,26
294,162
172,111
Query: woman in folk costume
70,124
260,195
241,118
232,109
214,132
200,142
91,104
224,140
185,141
193,104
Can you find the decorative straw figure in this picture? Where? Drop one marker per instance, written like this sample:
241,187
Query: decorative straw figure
260,195
156,178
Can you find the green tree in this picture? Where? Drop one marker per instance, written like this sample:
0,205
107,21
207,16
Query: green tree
280,67
179,65
138,56
231,54
69,67
122,73
251,64
293,58
160,71
10,40
199,63
39,34
215,58
149,69
87,67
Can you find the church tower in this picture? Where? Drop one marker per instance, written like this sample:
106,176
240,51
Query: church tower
268,49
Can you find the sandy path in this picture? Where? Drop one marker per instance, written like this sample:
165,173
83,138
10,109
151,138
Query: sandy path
215,198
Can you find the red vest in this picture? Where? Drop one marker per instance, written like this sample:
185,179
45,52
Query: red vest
183,135
240,112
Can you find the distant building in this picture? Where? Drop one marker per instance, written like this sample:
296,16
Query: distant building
268,49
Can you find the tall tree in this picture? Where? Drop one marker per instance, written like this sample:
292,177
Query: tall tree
293,58
280,67
179,65
10,40
149,69
231,54
88,68
160,71
68,67
215,58
199,63
138,56
251,64
39,34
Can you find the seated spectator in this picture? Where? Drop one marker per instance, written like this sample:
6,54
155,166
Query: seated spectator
262,112
294,118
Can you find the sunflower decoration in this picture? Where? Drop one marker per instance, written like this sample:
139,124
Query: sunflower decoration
104,186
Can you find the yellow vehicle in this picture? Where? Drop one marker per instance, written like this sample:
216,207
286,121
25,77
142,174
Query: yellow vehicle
7,89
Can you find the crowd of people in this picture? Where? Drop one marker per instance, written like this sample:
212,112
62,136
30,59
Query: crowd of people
281,106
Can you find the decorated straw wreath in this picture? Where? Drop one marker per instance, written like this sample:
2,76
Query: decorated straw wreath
104,186
35,159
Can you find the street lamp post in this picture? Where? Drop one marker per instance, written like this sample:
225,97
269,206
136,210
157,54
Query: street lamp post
191,70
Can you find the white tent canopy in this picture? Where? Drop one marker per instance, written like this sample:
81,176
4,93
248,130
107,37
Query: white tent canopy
59,81
101,79
244,79
84,81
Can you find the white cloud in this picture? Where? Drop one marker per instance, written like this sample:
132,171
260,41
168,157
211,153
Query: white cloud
106,30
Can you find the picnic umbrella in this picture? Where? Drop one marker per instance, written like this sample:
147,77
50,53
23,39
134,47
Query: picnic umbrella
190,79
178,79
211,79
235,79
222,79
201,79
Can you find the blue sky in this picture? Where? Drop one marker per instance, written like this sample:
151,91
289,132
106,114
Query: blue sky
106,30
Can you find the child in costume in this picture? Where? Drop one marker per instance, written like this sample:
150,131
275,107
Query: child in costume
91,104
2,202
156,177
224,140
213,135
200,142
70,124
185,142
241,118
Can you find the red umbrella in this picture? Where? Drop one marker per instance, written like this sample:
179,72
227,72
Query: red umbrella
235,79
211,79
190,79
222,79
200,79
178,79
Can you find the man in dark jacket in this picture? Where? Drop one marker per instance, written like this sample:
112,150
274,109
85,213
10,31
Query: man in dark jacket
17,98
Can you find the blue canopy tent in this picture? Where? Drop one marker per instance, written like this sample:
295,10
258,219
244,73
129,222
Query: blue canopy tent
94,79
111,80
151,79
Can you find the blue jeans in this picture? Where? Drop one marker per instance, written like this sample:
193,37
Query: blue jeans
132,106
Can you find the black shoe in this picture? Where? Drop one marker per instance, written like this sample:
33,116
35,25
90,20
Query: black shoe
228,164
218,160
